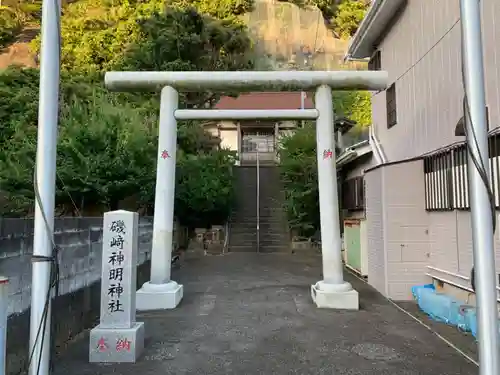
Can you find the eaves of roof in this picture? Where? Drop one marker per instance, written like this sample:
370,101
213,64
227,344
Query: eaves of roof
372,28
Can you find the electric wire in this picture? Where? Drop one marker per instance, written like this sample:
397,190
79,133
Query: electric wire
402,75
478,164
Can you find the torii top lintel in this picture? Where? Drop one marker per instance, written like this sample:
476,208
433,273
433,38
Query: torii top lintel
246,80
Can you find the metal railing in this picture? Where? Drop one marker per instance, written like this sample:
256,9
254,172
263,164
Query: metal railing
446,176
258,201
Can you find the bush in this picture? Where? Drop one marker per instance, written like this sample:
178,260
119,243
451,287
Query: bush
299,172
108,141
106,149
205,189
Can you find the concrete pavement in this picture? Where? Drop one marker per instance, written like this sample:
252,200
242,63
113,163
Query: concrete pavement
252,314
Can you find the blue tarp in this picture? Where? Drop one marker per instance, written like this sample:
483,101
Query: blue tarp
446,309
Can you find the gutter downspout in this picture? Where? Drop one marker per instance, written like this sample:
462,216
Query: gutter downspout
379,152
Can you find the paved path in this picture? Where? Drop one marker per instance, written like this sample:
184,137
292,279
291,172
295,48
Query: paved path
247,314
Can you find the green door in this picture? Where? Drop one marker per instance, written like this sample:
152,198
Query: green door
352,241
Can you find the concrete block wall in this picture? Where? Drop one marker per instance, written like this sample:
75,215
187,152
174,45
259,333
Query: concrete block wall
77,308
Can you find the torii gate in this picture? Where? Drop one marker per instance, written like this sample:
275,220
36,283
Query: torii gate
163,293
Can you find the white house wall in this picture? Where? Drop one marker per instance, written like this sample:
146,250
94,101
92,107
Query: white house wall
422,53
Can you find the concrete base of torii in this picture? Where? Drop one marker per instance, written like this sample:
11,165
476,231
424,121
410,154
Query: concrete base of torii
335,296
332,292
159,296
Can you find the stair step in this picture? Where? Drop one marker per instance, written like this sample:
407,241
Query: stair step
242,248
274,249
273,233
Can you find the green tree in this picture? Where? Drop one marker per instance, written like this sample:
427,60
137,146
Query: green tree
343,16
348,16
185,40
298,168
105,153
355,105
205,188
108,141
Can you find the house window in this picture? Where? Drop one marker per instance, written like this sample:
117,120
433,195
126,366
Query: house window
392,115
375,62
353,194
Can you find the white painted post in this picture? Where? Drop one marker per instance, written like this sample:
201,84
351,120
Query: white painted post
161,292
332,291
118,337
4,305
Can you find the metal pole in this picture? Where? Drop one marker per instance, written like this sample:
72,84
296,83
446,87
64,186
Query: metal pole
258,200
482,225
4,304
48,110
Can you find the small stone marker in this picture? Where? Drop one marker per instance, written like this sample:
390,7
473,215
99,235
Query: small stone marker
118,337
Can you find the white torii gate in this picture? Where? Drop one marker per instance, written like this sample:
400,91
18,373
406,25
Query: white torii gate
163,293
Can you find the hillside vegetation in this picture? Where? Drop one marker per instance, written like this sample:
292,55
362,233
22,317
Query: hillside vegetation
107,141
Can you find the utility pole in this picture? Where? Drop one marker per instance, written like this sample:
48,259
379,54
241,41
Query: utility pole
45,179
482,220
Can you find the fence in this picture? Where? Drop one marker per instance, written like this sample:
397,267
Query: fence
80,243
446,178
78,305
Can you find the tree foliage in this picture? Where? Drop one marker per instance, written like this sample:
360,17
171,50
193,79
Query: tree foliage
348,16
107,147
206,189
14,14
342,16
299,172
355,105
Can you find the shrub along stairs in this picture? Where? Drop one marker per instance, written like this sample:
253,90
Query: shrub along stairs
273,234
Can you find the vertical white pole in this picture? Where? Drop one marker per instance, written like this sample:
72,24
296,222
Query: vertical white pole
48,110
332,291
327,181
4,304
161,253
482,221
161,292
258,200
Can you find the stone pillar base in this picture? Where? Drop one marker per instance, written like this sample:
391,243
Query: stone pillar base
159,296
116,345
335,296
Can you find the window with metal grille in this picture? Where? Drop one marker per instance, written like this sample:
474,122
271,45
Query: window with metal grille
446,177
392,115
353,194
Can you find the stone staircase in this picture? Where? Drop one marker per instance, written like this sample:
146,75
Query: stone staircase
273,233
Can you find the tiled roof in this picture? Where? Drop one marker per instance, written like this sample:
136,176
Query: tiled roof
265,100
